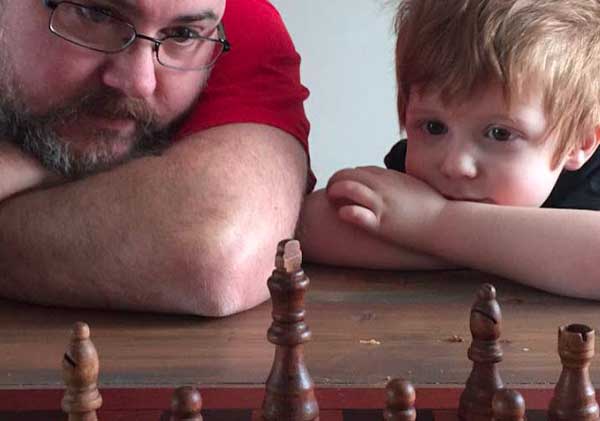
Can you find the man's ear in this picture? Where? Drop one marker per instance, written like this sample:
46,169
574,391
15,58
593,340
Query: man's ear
579,154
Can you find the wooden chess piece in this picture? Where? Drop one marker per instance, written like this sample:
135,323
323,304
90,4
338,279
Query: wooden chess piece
289,394
186,404
508,405
485,352
80,373
574,397
400,401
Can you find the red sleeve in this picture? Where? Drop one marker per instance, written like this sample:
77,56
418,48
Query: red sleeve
258,80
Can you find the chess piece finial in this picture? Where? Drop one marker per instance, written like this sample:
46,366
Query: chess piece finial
289,394
574,397
508,405
186,404
80,373
485,352
400,401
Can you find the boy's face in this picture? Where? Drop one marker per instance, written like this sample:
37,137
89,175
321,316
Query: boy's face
481,149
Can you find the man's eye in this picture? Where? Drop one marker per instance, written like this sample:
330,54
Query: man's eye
435,128
182,34
499,134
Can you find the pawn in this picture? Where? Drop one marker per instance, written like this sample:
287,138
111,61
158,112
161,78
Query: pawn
80,373
574,397
508,405
485,352
400,401
186,404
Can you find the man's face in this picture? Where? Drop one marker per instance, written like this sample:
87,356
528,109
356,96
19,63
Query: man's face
80,110
482,149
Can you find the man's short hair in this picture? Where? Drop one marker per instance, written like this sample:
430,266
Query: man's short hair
458,46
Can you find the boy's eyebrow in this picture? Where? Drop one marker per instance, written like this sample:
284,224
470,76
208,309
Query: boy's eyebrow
130,7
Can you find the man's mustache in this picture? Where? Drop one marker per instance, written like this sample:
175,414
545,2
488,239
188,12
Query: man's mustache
105,104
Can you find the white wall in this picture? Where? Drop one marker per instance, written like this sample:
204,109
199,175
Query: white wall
347,63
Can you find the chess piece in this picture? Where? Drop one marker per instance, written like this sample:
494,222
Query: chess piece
186,404
508,405
400,401
80,373
289,394
574,397
485,352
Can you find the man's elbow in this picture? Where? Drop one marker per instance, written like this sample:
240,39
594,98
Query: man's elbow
226,283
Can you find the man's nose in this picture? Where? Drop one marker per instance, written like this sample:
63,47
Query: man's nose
459,161
133,71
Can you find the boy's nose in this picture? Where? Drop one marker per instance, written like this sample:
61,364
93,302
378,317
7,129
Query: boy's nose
132,71
458,162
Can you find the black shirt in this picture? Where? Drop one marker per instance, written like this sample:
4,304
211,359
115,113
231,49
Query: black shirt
574,189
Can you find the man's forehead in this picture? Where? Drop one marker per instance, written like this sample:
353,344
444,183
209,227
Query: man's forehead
171,9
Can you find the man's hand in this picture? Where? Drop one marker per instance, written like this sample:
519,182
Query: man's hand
387,203
19,171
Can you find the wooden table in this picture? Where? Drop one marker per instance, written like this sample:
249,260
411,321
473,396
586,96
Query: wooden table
367,326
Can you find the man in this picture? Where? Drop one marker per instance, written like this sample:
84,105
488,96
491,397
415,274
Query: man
88,85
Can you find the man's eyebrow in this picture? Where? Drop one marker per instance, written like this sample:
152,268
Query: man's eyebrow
130,7
206,15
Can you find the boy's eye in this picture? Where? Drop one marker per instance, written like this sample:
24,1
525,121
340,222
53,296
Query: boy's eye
435,128
500,134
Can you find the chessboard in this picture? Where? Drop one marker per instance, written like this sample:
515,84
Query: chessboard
449,338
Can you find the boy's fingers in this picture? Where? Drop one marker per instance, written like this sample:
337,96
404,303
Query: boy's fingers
359,216
347,191
360,174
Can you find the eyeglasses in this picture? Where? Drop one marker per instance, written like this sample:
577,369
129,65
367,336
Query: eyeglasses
96,28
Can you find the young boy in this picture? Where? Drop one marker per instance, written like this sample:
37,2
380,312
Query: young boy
500,100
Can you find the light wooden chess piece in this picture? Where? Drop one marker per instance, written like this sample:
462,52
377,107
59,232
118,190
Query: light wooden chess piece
186,404
80,373
574,397
400,401
485,352
508,405
289,394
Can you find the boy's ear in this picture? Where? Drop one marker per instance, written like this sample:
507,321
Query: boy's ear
579,154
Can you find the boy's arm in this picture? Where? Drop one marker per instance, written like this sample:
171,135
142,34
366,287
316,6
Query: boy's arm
552,249
191,231
325,238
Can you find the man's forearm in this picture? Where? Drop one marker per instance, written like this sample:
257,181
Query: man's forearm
192,231
18,171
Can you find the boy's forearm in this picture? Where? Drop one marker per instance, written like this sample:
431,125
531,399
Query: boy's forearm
326,239
552,249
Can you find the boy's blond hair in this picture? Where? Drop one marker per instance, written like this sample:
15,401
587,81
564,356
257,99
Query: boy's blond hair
458,46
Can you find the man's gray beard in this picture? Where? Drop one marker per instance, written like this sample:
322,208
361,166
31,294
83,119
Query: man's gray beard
36,136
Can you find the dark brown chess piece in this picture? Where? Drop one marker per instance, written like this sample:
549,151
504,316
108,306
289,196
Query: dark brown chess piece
400,401
80,373
574,397
508,405
186,404
485,352
289,394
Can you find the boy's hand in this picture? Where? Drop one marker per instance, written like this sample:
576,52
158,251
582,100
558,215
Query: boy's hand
19,171
388,203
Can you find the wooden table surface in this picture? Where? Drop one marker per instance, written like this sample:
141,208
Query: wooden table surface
367,326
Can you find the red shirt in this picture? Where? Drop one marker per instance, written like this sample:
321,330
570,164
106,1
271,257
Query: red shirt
258,80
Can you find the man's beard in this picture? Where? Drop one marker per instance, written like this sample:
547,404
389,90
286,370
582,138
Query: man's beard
37,133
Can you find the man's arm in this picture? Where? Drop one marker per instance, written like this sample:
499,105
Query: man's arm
191,231
19,171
